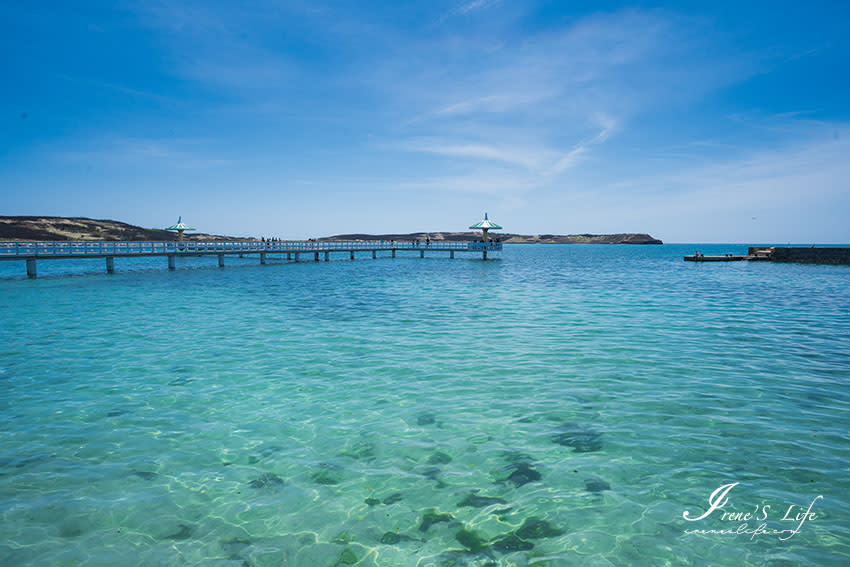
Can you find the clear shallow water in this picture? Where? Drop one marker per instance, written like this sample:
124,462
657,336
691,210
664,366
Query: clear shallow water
326,414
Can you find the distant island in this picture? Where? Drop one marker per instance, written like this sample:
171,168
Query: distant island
81,228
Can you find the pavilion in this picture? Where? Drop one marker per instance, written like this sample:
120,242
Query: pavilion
180,227
484,226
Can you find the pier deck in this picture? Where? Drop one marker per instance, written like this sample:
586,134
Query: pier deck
726,258
31,252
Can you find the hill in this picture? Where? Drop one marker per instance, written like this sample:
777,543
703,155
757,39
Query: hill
81,228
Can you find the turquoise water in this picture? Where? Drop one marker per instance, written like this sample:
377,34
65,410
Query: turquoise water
561,405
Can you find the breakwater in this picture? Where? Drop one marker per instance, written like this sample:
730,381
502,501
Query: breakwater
810,255
806,255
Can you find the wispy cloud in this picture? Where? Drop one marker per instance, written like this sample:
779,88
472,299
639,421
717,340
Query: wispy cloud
794,192
573,156
465,8
183,154
494,103
550,103
528,158
539,161
474,5
530,113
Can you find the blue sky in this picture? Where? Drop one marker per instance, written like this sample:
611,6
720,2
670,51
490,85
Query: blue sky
703,122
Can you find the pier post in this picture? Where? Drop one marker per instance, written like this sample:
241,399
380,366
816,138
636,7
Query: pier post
297,255
289,255
327,256
221,260
484,257
262,258
393,252
110,264
171,265
351,255
32,272
242,255
374,254
421,253
316,257
452,254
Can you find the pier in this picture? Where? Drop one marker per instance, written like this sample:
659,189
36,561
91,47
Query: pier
32,252
696,257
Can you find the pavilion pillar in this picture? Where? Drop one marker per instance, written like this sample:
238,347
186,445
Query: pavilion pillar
297,254
221,260
316,257
452,254
421,253
484,255
262,257
327,256
171,264
289,255
374,254
351,255
110,264
393,252
32,272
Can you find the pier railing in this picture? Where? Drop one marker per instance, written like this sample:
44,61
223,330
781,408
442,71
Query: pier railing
86,248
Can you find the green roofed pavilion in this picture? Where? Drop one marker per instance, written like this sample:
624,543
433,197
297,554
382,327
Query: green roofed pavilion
180,227
484,226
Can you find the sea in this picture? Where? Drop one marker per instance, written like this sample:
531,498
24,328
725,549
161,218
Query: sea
555,405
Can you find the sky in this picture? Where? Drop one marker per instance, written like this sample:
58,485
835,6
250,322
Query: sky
693,122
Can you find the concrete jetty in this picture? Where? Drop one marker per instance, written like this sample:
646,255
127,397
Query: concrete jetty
804,254
32,252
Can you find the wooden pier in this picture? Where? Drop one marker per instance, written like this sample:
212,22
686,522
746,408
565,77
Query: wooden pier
32,252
